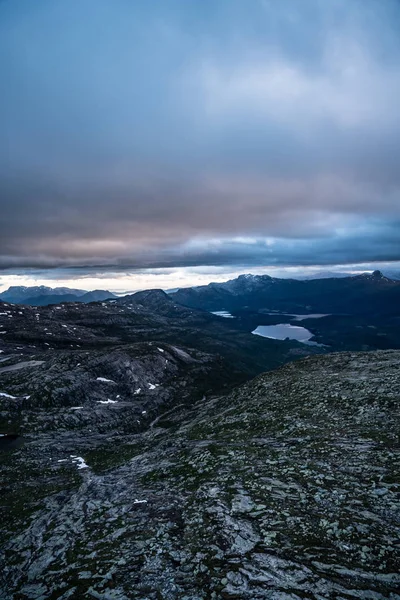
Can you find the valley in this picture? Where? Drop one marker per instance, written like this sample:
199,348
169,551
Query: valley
359,312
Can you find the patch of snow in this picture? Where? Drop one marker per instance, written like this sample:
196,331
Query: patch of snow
7,396
138,391
160,349
107,401
64,326
104,380
144,412
223,313
140,502
152,386
79,461
76,407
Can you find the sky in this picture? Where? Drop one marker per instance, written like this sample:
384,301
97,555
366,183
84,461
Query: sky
179,141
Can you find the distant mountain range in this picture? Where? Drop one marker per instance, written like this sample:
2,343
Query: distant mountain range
303,294
325,275
368,293
43,295
392,274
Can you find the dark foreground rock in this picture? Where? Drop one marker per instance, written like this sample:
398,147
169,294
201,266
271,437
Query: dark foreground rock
286,488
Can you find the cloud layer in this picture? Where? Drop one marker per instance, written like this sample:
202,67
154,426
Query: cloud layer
172,133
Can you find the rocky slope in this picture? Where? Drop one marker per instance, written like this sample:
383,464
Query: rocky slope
285,488
145,316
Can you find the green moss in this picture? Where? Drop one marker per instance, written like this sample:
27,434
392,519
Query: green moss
112,455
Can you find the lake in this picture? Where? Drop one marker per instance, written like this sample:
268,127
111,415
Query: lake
283,331
293,316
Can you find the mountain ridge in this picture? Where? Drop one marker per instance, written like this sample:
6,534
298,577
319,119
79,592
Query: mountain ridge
43,295
366,293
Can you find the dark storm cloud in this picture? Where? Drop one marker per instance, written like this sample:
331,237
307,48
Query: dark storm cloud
175,133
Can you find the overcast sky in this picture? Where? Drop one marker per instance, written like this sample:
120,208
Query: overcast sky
178,136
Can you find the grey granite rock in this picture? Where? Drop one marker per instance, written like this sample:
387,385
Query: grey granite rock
286,487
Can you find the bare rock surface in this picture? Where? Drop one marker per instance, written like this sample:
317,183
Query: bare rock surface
286,487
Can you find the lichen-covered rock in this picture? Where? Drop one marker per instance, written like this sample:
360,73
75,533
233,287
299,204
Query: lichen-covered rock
286,488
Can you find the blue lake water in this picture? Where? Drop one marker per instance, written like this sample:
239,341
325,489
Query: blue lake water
285,330
282,330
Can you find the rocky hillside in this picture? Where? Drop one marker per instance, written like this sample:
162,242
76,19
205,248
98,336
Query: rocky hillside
150,316
287,487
